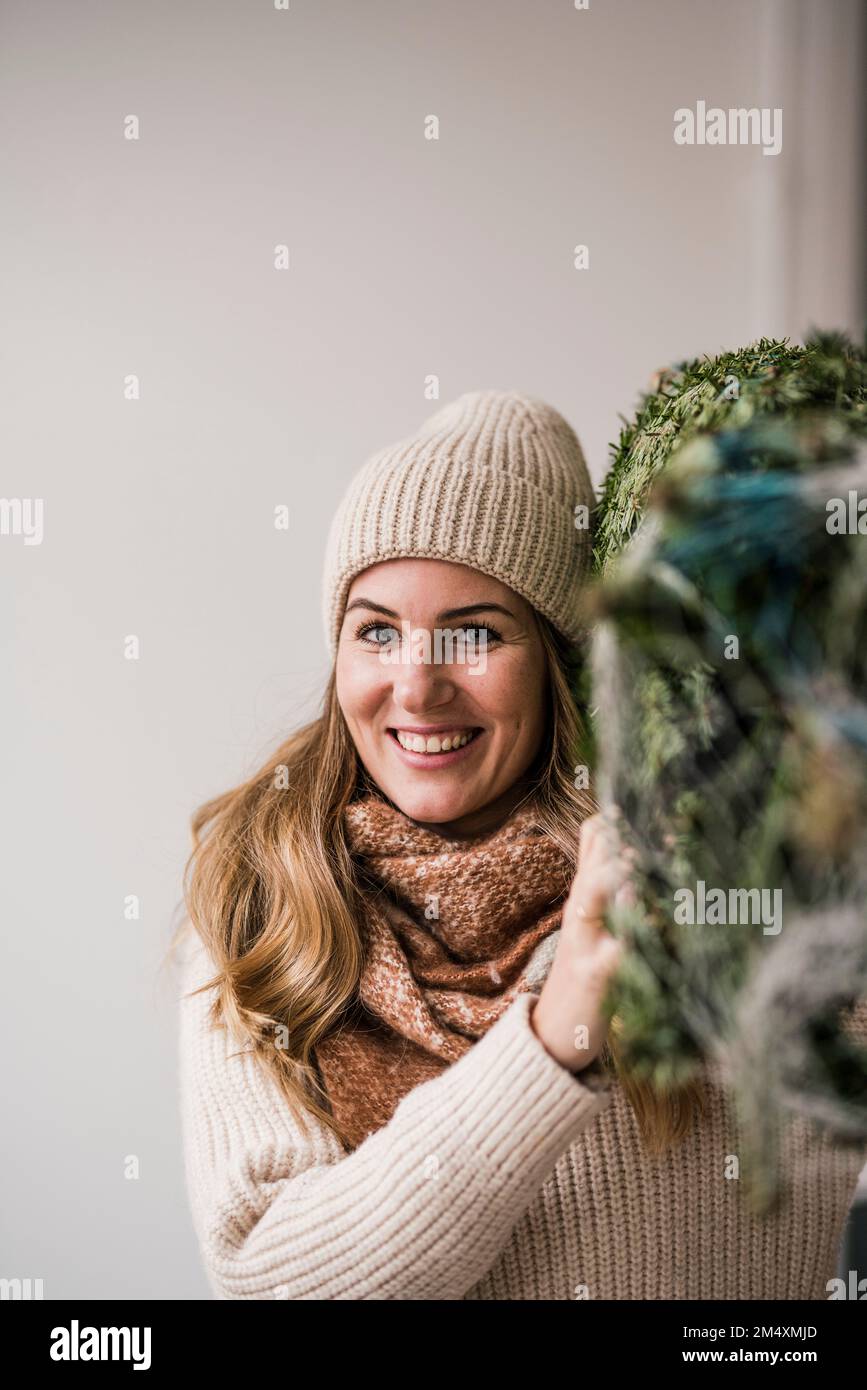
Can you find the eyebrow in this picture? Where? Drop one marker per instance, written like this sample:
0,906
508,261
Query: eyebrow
446,613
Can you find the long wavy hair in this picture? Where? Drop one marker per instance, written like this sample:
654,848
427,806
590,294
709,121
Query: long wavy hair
272,890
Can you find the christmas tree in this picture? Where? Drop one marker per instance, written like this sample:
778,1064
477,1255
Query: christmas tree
708,394
730,659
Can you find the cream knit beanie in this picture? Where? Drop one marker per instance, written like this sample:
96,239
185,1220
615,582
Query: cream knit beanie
494,480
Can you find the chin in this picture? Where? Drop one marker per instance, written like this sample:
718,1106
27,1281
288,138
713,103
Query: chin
425,805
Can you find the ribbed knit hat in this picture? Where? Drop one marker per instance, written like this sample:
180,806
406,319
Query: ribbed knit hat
492,481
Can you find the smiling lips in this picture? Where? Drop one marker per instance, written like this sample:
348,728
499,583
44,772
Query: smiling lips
443,742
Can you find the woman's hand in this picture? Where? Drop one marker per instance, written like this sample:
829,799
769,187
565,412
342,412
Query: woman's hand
567,1016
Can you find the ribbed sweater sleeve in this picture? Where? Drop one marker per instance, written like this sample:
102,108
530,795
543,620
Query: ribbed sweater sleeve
420,1210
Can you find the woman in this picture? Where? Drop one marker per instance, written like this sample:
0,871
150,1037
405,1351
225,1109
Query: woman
397,1078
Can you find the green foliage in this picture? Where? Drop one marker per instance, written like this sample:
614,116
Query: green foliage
745,771
698,397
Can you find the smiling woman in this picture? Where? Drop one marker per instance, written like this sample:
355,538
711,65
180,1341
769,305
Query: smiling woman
397,1079
451,749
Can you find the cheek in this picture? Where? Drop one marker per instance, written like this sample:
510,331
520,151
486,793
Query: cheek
360,688
514,698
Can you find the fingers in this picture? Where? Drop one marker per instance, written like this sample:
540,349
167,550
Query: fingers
595,972
594,890
605,869
626,895
601,840
589,960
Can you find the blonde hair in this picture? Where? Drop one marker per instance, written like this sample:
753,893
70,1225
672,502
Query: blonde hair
273,892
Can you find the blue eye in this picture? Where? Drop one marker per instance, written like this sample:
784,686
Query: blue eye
493,635
365,628
375,627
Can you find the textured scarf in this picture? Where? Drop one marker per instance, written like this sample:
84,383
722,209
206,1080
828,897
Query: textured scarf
453,931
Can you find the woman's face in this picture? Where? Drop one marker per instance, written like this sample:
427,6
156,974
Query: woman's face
495,692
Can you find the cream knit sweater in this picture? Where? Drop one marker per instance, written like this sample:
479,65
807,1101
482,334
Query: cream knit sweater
504,1177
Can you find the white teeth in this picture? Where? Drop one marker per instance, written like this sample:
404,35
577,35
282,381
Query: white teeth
417,743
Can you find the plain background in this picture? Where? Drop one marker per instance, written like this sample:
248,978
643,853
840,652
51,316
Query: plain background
408,258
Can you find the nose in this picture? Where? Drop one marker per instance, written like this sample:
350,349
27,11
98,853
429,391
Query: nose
418,686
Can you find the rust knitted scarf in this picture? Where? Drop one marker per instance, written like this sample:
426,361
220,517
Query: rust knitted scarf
453,931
